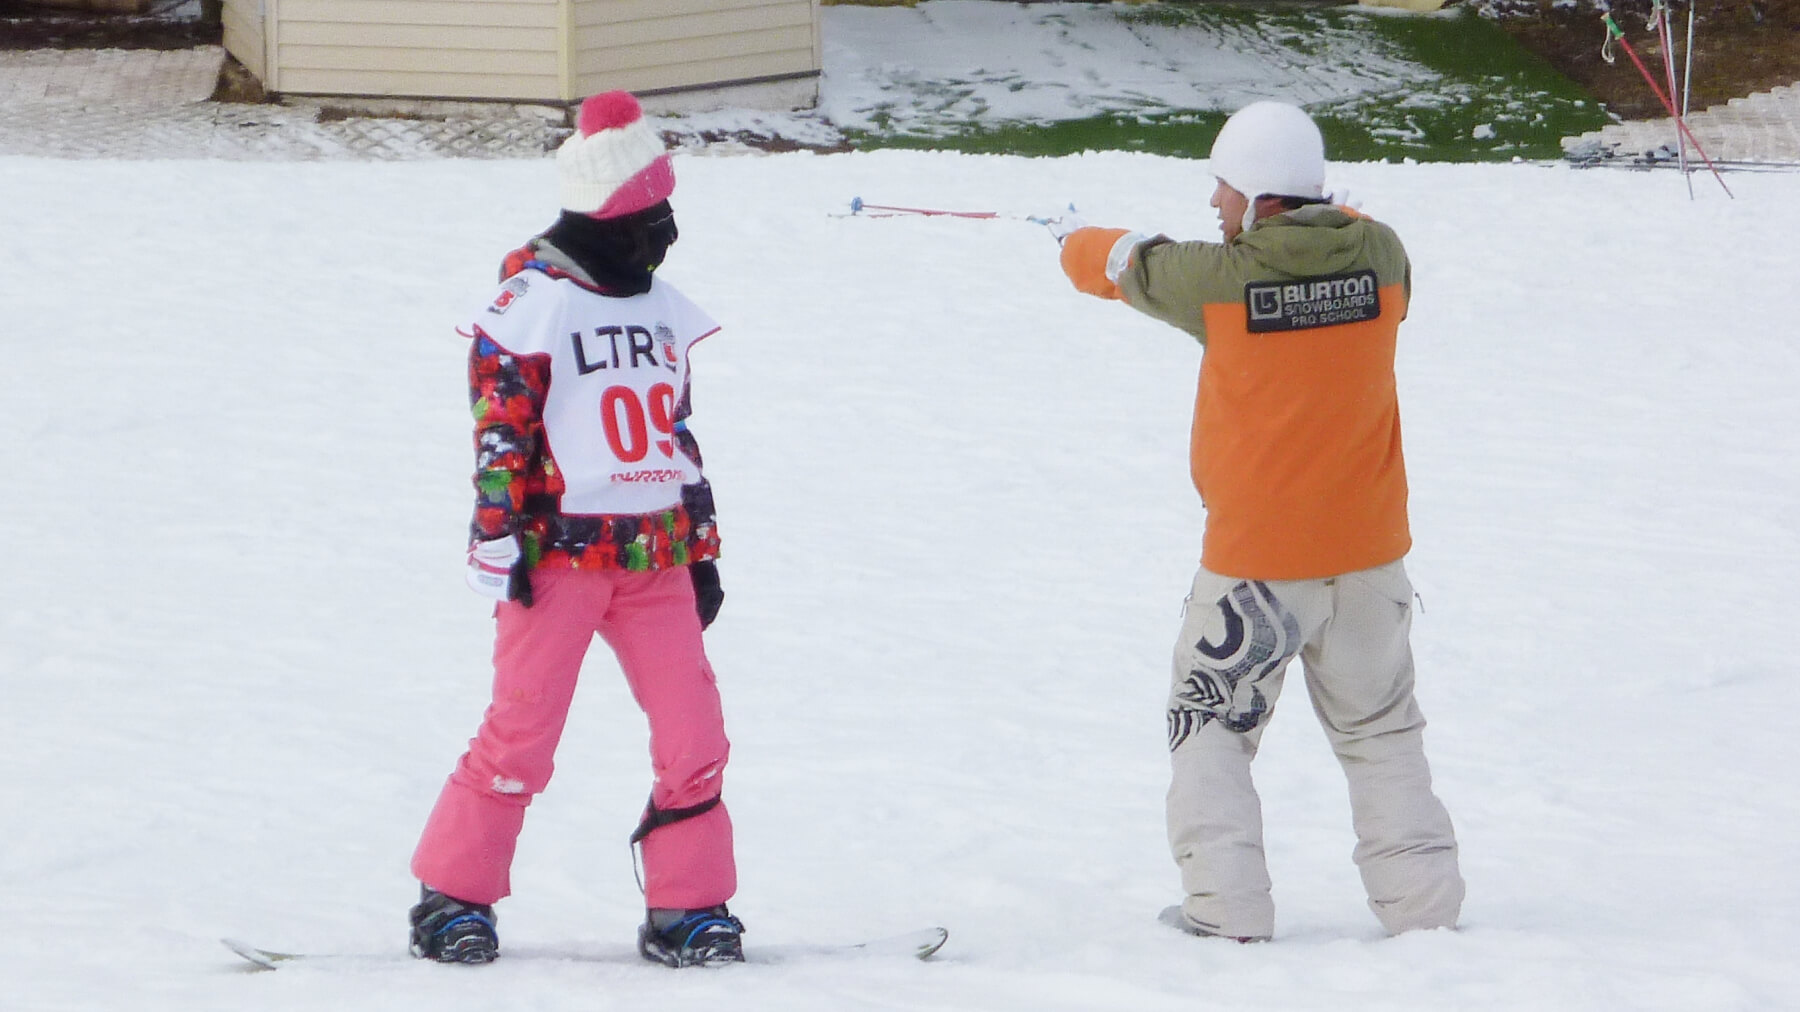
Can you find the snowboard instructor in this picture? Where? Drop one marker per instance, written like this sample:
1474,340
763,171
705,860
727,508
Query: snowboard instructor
1296,454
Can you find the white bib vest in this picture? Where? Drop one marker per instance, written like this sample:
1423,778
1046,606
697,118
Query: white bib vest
618,367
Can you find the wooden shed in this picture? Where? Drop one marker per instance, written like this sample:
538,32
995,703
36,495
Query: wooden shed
520,50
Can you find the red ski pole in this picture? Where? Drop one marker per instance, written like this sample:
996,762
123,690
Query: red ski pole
1668,54
1612,28
857,206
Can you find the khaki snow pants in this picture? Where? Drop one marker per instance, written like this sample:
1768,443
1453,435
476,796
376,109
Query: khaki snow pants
1351,633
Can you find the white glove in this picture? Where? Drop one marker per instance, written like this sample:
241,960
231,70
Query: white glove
496,569
1060,223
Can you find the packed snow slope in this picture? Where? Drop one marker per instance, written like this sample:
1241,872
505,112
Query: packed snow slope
238,658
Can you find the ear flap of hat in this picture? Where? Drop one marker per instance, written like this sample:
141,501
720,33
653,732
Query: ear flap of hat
1270,149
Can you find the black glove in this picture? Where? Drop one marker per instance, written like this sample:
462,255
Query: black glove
707,595
520,583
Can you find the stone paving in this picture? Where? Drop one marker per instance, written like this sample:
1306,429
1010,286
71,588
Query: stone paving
1759,130
82,77
143,104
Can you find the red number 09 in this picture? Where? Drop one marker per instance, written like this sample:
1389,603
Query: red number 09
627,426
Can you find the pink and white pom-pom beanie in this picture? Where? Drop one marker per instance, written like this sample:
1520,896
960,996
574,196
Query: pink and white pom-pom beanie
613,164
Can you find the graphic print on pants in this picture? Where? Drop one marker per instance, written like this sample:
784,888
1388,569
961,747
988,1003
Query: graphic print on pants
1258,638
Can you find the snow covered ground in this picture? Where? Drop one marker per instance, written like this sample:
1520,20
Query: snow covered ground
238,658
1059,78
950,61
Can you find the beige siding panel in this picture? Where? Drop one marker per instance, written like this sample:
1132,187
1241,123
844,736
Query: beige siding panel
415,61
244,37
244,15
600,78
818,42
517,13
315,33
693,26
513,49
517,87
593,12
245,12
592,54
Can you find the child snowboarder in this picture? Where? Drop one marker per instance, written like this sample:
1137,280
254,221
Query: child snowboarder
591,516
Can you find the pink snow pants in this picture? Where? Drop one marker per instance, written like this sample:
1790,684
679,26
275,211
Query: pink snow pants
649,621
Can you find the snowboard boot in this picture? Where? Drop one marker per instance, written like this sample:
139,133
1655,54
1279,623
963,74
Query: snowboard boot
692,937
1175,918
450,931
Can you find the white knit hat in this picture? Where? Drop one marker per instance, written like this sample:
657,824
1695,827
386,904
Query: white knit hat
613,164
1270,149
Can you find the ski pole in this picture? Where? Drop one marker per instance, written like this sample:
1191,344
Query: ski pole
1612,28
1666,35
1687,76
859,205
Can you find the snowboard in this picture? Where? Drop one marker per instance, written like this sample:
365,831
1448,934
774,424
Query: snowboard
916,944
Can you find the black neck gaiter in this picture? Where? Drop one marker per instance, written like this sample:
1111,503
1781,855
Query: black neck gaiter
619,254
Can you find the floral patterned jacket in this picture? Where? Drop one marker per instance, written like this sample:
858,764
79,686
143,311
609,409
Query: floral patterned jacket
517,487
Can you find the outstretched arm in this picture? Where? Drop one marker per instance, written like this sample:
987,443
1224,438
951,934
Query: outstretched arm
1171,281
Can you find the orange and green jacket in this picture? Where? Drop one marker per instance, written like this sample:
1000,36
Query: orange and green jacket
1296,438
